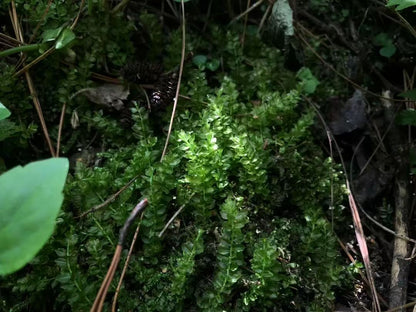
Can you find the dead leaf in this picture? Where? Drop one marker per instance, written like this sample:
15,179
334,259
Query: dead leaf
107,95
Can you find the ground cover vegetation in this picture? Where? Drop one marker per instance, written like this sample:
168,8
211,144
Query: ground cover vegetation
257,192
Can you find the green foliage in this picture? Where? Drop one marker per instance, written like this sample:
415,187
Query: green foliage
388,49
401,4
29,209
4,112
308,80
229,255
241,149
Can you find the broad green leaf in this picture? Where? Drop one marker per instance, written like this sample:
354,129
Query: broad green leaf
51,34
406,118
401,4
4,112
65,38
308,80
411,94
30,198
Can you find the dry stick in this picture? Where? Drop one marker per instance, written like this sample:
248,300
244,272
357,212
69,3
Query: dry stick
171,220
407,305
119,6
175,102
19,35
102,293
245,25
362,275
41,21
359,232
61,123
255,5
265,15
123,272
35,61
108,200
78,15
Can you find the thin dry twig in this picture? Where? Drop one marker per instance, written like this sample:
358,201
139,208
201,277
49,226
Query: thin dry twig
255,5
81,7
61,123
126,263
40,21
108,200
171,220
102,293
245,26
33,93
359,232
175,102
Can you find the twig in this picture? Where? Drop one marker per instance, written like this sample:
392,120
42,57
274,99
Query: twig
255,5
359,232
407,305
175,102
19,35
102,293
119,6
108,200
123,272
171,220
78,15
61,123
265,15
35,61
362,275
245,26
41,21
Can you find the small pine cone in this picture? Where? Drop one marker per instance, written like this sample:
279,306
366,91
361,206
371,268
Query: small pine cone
142,73
164,93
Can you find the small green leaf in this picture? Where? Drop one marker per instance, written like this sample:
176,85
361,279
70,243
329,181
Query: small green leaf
406,118
382,39
388,50
308,80
30,198
4,112
213,64
65,38
51,34
401,4
411,94
199,60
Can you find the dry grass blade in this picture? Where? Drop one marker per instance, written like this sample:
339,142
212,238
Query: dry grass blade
362,243
19,36
359,232
102,293
178,87
126,263
61,123
108,200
